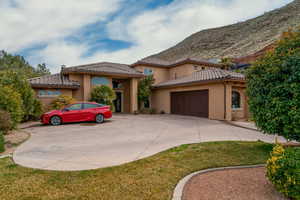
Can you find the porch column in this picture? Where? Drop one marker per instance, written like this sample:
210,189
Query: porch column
86,87
133,95
228,102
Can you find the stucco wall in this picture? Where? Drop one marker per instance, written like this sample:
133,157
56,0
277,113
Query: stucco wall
77,94
160,74
161,98
184,70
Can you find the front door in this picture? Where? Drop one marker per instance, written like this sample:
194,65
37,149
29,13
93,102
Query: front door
118,102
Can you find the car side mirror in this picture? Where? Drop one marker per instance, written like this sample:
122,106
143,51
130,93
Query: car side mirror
65,110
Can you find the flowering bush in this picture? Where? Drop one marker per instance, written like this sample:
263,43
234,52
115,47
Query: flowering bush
283,170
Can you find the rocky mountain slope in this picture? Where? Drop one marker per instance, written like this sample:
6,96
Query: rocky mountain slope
236,40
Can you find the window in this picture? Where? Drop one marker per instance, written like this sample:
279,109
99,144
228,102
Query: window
88,105
75,107
100,81
148,71
49,93
236,100
195,67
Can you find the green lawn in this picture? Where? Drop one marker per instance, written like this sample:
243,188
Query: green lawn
151,178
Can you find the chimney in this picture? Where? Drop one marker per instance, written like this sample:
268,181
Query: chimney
61,73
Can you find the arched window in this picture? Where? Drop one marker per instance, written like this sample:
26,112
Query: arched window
100,81
236,100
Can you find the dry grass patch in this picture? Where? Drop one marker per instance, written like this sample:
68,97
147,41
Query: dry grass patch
151,178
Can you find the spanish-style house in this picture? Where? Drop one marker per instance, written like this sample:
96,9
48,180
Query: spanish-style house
185,87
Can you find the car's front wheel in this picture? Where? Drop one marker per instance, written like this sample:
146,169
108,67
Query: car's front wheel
55,120
99,118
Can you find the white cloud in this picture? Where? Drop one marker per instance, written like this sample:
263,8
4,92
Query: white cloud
40,21
150,31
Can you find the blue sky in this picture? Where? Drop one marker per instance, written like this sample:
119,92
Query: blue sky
69,32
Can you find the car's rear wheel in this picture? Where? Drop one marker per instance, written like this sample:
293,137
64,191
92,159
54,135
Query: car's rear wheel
55,120
99,118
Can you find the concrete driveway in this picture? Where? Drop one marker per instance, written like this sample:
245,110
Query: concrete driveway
122,139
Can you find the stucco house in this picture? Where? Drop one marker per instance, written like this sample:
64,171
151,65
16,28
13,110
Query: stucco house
185,87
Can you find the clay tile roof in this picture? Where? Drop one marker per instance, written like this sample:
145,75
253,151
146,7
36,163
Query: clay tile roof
164,63
203,75
104,67
55,81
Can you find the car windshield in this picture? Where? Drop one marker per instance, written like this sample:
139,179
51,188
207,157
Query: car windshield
74,107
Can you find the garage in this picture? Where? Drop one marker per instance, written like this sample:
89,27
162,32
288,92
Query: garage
193,103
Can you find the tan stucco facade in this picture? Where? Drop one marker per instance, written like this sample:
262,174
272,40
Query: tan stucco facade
83,93
220,99
48,99
219,91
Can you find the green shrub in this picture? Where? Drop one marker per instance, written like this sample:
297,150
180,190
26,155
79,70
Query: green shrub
144,89
61,101
2,142
274,91
38,110
283,170
104,95
11,102
147,111
18,81
5,122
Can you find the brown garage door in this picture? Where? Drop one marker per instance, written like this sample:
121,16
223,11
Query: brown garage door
194,103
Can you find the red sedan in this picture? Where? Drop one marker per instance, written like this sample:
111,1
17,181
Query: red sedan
77,112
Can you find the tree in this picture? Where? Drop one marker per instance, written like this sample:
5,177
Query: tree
104,95
18,63
11,101
42,70
227,63
273,87
18,82
144,89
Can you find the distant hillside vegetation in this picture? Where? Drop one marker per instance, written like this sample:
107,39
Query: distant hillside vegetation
236,40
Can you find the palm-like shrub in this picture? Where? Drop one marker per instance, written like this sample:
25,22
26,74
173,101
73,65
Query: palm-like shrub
103,94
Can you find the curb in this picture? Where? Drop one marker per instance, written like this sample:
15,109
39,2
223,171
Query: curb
178,191
236,125
6,156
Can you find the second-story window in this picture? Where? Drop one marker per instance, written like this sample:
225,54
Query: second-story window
148,71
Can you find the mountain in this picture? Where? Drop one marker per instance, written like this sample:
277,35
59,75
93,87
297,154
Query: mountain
235,40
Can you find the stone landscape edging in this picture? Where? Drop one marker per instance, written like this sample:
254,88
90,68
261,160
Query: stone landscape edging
178,191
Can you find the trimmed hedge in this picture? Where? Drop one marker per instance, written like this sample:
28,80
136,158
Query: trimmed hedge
283,170
11,101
